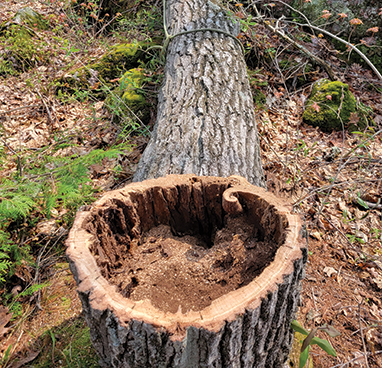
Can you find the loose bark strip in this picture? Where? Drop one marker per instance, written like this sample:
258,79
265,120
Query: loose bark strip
206,122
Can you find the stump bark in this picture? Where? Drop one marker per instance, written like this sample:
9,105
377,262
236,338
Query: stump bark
206,120
245,327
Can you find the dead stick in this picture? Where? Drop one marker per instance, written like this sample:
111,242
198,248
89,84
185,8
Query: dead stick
360,53
363,340
304,50
46,106
342,365
19,166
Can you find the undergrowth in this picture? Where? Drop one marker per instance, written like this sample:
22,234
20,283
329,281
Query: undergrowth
43,182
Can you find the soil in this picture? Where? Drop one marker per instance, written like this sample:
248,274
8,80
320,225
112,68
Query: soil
183,273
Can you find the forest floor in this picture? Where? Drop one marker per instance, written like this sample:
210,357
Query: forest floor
333,180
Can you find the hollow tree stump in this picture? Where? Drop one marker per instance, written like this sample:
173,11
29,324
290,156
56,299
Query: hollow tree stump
143,255
206,121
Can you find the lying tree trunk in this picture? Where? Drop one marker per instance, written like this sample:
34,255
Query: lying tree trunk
206,122
220,291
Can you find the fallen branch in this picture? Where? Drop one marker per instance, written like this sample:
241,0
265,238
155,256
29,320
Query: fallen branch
354,48
304,50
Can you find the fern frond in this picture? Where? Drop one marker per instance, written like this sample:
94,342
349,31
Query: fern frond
16,207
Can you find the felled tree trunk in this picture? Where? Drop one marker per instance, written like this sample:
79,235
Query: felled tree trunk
206,122
234,240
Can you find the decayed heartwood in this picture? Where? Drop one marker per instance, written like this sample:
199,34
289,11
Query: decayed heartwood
206,122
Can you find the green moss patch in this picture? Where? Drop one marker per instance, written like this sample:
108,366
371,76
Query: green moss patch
128,99
27,16
331,106
23,49
111,66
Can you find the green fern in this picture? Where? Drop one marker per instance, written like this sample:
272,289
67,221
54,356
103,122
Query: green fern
16,206
48,182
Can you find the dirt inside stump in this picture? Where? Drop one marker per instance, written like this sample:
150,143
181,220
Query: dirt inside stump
185,272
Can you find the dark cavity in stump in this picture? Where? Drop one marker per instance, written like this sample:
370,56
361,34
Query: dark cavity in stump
179,248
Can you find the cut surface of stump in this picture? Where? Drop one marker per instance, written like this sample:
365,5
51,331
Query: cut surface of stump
188,271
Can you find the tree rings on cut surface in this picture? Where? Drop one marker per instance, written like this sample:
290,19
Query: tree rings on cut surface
188,271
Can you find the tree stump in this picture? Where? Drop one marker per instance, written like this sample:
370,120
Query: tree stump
188,271
206,121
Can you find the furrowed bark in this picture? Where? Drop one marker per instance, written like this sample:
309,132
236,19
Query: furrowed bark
206,121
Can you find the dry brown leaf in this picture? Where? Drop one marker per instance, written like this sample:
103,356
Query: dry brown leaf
329,271
31,356
354,119
5,317
316,235
374,340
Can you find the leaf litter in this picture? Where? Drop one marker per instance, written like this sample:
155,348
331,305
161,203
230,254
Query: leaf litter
322,175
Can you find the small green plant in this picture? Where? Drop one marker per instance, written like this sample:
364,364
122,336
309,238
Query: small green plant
6,356
302,146
68,345
352,238
311,339
376,233
14,302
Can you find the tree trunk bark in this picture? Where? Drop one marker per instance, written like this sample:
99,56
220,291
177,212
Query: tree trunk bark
206,121
245,327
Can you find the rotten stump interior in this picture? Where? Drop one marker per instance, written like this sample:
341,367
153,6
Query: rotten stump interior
180,246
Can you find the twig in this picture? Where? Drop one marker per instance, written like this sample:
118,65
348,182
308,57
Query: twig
46,106
325,187
308,24
360,53
341,101
335,227
112,20
342,365
313,57
18,108
19,166
363,340
376,206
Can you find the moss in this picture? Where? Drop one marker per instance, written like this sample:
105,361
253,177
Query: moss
111,66
258,97
32,19
122,57
128,100
23,51
328,98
